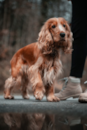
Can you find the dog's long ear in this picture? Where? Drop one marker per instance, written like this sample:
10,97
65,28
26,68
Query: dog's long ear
44,36
68,46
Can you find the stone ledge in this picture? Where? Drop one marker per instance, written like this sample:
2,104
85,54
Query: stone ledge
19,105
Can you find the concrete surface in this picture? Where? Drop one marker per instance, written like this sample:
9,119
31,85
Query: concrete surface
19,105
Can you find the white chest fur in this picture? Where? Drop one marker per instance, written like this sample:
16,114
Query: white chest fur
51,70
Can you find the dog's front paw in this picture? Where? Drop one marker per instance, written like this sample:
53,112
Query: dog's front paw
52,98
38,94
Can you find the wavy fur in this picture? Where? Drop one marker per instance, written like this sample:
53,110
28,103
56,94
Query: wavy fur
38,64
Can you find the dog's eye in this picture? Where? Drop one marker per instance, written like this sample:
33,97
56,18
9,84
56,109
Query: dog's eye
53,26
64,25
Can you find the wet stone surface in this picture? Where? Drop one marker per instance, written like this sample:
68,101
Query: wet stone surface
39,121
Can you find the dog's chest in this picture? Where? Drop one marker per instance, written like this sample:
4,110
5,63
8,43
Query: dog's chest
48,73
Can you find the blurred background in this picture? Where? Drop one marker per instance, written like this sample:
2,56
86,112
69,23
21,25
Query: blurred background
20,23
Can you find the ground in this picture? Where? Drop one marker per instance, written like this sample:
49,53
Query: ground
19,105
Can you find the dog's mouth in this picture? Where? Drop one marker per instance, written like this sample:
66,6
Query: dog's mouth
60,43
62,40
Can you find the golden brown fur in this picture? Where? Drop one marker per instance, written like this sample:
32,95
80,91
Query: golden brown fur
38,64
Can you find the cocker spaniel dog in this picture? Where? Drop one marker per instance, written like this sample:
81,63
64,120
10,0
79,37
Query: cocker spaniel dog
38,64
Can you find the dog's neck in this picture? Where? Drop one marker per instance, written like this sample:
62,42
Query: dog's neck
51,54
54,53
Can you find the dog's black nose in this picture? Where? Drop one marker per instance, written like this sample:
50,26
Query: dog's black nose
62,35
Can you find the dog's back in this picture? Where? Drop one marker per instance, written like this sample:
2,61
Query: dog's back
24,56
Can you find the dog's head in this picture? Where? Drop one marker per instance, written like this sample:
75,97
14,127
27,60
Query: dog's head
55,34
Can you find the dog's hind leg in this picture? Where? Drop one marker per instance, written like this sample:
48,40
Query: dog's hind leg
10,83
25,82
8,87
25,93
